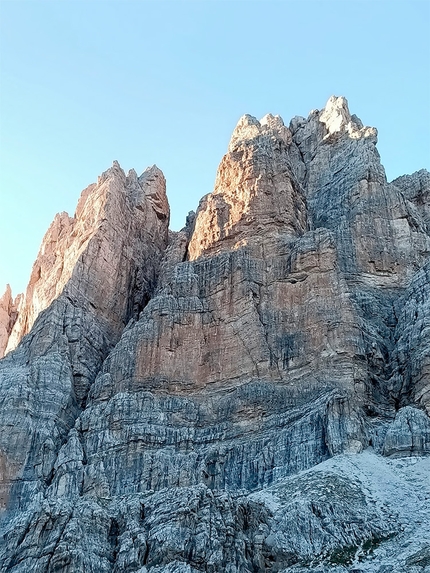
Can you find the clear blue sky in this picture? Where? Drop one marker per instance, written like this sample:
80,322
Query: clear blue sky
86,82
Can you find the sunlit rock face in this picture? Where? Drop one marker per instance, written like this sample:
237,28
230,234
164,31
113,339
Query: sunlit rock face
8,316
98,233
256,192
205,400
94,273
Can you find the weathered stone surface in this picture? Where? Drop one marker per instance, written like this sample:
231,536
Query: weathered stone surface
48,275
353,511
409,434
89,236
256,194
416,189
411,377
381,239
203,400
8,316
104,267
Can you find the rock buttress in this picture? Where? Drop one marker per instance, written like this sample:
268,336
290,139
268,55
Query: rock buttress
94,273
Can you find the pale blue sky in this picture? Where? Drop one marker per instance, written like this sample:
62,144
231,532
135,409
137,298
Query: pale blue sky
86,82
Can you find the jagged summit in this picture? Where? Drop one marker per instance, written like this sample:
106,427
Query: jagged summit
337,119
334,119
248,128
105,221
336,116
229,397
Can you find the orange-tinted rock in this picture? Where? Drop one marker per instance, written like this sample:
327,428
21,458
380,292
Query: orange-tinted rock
93,274
256,192
92,246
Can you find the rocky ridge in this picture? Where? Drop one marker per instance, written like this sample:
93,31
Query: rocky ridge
198,401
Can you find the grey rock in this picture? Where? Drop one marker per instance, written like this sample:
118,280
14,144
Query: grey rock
416,189
409,434
411,378
205,400
44,383
337,516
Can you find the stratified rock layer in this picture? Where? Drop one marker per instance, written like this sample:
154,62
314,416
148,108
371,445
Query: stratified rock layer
104,267
256,193
204,400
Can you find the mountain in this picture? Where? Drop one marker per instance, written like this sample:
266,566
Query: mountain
249,394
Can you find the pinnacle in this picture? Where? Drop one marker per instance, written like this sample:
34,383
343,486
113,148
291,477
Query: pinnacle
336,114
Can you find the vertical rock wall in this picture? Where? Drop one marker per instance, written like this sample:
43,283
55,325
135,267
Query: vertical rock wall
8,316
93,274
171,392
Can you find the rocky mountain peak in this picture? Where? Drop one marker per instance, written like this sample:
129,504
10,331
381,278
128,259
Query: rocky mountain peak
6,298
103,211
249,394
256,189
153,185
337,119
335,114
115,171
249,129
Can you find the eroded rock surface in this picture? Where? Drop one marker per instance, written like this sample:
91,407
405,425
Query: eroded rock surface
8,316
411,378
96,271
97,236
205,400
256,194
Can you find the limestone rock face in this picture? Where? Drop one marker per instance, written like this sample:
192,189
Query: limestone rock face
69,240
96,271
8,316
380,234
256,192
416,189
409,434
229,397
48,276
411,377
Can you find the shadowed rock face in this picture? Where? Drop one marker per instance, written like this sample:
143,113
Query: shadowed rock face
381,235
172,391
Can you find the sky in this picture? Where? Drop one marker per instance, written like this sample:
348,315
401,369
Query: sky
86,82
